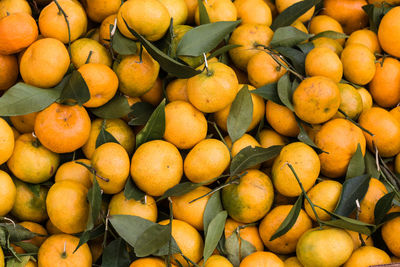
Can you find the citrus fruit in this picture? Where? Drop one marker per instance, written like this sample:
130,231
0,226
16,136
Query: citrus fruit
357,240
304,161
44,63
263,69
62,128
59,250
249,36
213,89
376,190
390,231
253,11
328,43
117,128
8,193
155,94
292,262
384,127
8,71
207,160
8,7
177,90
281,5
358,64
52,21
217,261
351,102
67,206
322,61
281,119
148,18
316,99
29,205
388,32
145,208
148,262
111,163
322,23
243,142
349,13
73,171
286,243
6,141
367,256
104,31
249,198
34,228
262,259
247,232
17,31
156,166
32,162
325,194
98,10
191,212
324,247
339,138
185,126
217,10
177,9
136,77
385,86
82,48
365,37
188,239
24,123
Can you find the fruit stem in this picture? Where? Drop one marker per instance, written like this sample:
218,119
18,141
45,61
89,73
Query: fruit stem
92,170
64,253
69,28
209,73
8,219
89,56
358,211
355,123
273,55
35,142
106,229
305,194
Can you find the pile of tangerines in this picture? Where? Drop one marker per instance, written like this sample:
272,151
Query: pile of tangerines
149,133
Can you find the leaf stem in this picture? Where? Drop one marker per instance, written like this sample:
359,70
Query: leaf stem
305,194
355,123
209,73
89,56
220,135
358,211
67,21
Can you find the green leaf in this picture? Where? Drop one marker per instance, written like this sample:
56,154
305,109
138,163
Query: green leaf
14,262
288,36
375,14
251,156
140,114
213,207
22,99
28,247
214,233
104,136
154,128
17,233
130,227
268,92
117,107
76,89
131,191
370,165
289,15
344,224
353,189
306,47
152,239
122,45
297,57
390,216
303,137
285,91
179,190
90,235
94,198
168,64
203,15
115,254
330,34
165,250
222,50
204,38
240,114
382,207
290,219
235,250
165,43
356,165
